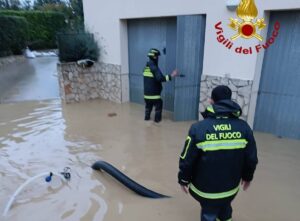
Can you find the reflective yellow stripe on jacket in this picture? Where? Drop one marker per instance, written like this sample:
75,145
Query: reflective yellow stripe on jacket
154,97
222,145
186,148
148,73
214,195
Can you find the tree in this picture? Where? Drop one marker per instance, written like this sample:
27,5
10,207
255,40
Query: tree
15,4
2,4
77,8
27,4
41,3
77,21
72,9
10,4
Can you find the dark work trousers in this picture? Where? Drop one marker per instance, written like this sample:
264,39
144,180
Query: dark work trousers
215,209
158,103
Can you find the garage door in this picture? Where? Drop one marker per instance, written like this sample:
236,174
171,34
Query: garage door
144,34
190,49
278,105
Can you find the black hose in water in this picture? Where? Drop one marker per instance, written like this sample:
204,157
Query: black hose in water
122,178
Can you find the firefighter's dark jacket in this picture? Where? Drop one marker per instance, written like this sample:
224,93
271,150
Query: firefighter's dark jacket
219,151
153,78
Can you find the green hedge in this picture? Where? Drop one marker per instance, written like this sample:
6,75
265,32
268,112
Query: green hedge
43,27
77,46
13,35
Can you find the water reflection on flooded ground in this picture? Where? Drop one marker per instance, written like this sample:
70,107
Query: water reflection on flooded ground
31,79
37,137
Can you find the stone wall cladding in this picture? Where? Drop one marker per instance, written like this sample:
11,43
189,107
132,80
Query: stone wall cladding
11,59
82,84
241,92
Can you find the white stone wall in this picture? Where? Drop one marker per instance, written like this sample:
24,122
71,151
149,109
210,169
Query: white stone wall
82,84
241,92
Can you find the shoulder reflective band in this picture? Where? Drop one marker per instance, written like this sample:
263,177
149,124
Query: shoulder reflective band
210,109
214,195
237,114
167,78
148,74
152,97
186,148
222,145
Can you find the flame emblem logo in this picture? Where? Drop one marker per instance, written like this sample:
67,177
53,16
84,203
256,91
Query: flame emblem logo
247,12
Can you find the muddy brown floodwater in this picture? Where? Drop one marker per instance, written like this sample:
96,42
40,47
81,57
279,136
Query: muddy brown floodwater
37,137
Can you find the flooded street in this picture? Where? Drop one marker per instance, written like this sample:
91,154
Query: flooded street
39,134
42,136
31,79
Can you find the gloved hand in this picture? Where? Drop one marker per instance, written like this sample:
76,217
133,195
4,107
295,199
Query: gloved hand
174,73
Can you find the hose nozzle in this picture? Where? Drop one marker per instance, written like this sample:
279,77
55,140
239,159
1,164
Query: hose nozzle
66,173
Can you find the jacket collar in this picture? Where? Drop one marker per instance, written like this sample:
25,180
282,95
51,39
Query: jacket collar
223,108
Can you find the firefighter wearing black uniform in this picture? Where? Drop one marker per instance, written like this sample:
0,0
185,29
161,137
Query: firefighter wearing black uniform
153,79
219,153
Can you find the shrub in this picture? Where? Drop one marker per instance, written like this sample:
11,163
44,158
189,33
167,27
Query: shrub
13,35
77,46
43,27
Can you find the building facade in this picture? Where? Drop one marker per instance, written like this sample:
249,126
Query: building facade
194,36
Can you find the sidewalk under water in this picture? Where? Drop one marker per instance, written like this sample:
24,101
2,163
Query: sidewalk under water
47,136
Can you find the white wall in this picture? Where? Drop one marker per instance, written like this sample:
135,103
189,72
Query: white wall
104,19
